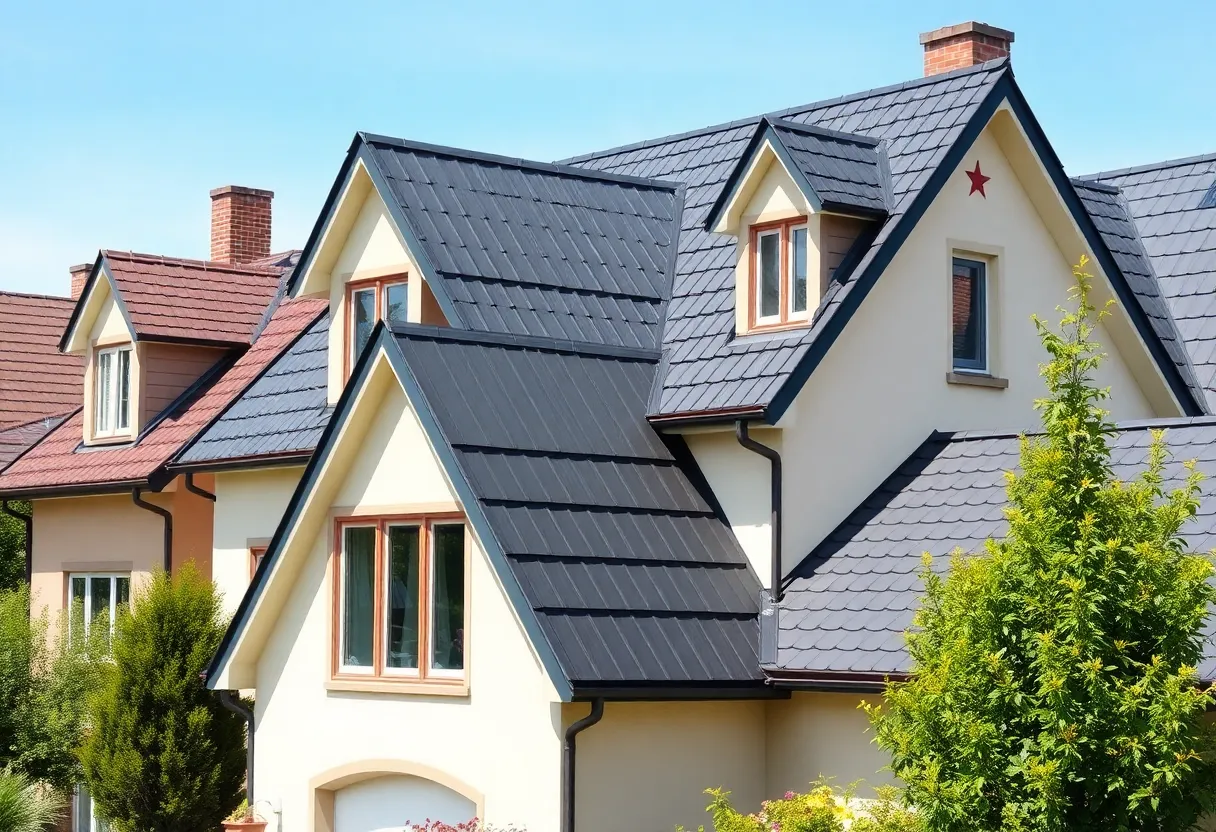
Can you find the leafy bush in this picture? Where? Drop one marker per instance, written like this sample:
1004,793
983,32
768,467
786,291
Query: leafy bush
12,547
24,805
162,754
821,809
1054,686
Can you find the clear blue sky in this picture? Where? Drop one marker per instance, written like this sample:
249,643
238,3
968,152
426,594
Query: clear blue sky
117,118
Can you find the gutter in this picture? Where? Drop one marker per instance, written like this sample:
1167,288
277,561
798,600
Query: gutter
242,463
194,489
168,518
833,682
774,459
238,708
568,747
28,520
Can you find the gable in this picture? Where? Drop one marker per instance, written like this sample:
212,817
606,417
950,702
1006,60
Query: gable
99,313
109,324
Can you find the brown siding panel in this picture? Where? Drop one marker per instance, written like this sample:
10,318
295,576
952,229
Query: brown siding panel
837,235
169,369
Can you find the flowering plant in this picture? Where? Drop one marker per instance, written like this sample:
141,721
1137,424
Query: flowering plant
470,825
821,809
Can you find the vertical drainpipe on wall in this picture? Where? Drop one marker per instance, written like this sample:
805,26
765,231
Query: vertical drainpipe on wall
199,492
238,707
572,732
168,517
770,602
28,520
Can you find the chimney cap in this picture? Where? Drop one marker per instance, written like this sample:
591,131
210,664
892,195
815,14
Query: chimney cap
241,190
80,267
966,28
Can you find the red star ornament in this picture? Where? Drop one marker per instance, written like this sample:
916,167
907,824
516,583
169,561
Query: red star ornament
977,180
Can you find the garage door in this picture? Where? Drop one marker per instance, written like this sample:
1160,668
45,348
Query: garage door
392,802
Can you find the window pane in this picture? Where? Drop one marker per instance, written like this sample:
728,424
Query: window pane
101,413
403,586
967,319
798,270
363,320
447,598
395,303
124,591
770,275
82,810
99,592
77,614
358,595
123,420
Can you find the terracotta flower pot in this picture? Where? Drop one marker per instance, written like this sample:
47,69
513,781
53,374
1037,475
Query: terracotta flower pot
244,826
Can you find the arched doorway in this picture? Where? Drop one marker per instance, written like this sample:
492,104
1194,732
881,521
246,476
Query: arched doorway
385,795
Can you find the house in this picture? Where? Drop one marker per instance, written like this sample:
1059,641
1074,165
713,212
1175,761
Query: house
635,454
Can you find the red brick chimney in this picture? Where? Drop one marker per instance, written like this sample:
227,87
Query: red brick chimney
80,276
240,224
963,45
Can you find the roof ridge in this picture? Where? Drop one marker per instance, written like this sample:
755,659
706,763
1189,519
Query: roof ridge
1126,426
1094,185
1168,163
205,265
49,418
987,66
556,168
823,132
521,342
36,296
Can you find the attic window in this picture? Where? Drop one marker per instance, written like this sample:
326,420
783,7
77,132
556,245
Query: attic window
779,273
112,397
370,301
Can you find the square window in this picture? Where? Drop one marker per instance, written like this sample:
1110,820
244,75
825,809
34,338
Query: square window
969,318
95,600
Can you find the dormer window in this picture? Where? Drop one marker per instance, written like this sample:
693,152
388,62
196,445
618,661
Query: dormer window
112,399
779,272
370,301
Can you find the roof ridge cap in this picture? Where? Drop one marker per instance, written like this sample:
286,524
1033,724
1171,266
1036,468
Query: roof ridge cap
824,132
522,342
1125,426
36,296
1167,163
204,265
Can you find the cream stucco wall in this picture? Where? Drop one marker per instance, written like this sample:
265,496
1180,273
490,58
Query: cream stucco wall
248,507
501,739
815,735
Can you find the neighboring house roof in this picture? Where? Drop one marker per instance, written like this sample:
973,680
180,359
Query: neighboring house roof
279,418
60,463
847,605
926,125
1174,207
187,301
16,439
36,380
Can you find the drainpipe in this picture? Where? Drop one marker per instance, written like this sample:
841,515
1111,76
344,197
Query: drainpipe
774,459
237,707
576,728
194,489
28,520
167,515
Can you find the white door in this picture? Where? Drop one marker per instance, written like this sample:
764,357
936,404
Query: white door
395,803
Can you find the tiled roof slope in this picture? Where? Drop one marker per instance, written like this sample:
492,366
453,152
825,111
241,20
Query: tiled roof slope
36,380
634,577
849,602
846,170
282,413
532,249
59,463
1174,208
192,300
15,439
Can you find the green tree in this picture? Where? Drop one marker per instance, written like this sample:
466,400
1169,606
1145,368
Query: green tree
24,806
12,548
162,754
1054,684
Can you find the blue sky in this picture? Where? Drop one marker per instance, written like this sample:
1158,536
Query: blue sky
116,119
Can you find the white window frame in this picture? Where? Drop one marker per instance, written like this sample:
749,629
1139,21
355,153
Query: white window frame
790,313
109,418
82,800
767,320
88,578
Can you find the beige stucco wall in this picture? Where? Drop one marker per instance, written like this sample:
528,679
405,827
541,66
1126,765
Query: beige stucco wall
502,739
248,506
820,735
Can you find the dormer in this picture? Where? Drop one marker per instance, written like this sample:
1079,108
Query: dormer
800,198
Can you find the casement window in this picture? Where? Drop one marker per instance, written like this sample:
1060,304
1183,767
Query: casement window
256,553
370,301
779,273
400,598
969,315
112,392
95,599
84,813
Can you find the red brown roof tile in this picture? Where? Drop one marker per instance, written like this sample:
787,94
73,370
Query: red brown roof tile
36,380
14,440
57,464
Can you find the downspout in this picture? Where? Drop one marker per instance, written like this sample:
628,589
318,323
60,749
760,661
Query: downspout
576,728
167,515
774,459
237,707
194,489
28,520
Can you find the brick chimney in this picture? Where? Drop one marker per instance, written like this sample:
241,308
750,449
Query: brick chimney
240,224
80,276
963,45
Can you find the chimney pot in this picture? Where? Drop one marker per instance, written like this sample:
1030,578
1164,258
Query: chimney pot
80,276
964,45
240,224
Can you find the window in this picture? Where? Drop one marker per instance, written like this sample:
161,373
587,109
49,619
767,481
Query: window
400,598
370,301
95,599
84,816
256,553
779,273
112,392
969,315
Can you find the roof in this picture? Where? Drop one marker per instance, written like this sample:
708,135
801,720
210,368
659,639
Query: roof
849,602
60,463
36,380
925,125
280,416
189,301
14,440
633,574
1173,205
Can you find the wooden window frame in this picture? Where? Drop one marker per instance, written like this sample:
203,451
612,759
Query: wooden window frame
785,318
380,284
256,553
114,386
425,676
